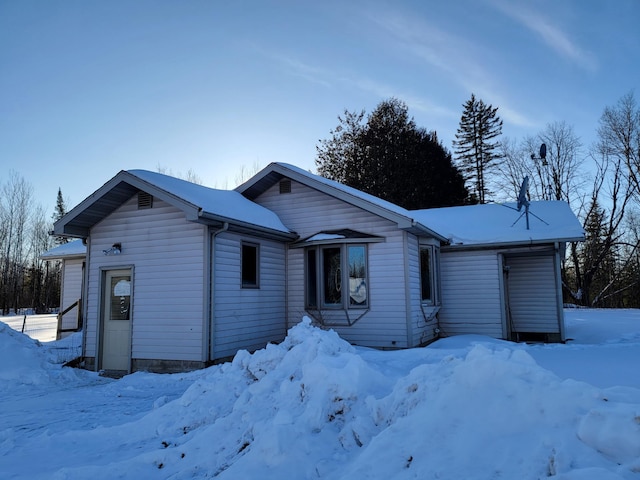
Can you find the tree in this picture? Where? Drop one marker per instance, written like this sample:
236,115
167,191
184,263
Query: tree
598,268
15,206
390,157
556,177
619,132
476,147
59,211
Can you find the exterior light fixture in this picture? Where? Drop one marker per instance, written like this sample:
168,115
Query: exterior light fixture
116,249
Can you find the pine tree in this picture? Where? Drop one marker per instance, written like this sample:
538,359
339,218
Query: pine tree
476,145
59,212
390,157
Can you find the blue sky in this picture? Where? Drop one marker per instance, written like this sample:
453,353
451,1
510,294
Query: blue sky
91,88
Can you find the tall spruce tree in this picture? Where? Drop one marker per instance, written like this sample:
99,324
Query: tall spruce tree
59,212
390,157
476,147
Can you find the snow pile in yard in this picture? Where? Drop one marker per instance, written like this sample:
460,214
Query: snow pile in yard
316,407
24,361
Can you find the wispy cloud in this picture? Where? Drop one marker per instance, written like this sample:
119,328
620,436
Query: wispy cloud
333,78
311,73
454,56
551,34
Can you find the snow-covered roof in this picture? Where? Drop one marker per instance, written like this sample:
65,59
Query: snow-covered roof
490,224
273,172
227,204
500,224
199,203
74,248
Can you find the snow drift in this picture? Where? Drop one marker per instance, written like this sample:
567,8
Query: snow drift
316,407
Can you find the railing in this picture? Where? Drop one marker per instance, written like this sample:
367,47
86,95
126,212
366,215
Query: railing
78,326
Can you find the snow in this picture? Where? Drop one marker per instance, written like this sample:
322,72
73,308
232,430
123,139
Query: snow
314,406
493,223
227,204
75,248
489,224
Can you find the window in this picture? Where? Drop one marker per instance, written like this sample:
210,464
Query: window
249,265
428,265
330,268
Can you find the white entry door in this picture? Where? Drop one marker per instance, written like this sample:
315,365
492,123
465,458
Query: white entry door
116,325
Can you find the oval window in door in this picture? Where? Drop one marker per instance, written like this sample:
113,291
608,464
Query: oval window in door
120,298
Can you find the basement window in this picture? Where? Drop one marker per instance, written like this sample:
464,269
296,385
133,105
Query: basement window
145,200
250,262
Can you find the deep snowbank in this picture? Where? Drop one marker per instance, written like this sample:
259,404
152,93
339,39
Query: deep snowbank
316,407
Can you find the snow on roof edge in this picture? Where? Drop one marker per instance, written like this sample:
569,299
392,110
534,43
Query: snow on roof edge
74,248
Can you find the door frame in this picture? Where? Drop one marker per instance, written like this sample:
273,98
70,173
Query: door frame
104,271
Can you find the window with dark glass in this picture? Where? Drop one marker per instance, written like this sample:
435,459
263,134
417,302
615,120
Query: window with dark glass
250,264
329,269
312,282
332,276
427,282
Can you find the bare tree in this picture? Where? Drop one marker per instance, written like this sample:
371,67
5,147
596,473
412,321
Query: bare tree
15,201
43,277
513,167
598,264
190,176
619,132
246,173
556,176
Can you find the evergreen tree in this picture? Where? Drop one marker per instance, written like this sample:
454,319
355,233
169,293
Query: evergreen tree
476,145
59,212
390,157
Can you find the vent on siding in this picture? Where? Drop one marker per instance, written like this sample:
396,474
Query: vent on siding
145,200
285,186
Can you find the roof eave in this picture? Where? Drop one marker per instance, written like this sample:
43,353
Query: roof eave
514,243
238,225
404,222
65,225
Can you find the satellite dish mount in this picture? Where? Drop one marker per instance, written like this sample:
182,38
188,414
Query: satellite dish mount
523,201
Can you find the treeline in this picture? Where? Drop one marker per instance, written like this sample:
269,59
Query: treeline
386,154
26,280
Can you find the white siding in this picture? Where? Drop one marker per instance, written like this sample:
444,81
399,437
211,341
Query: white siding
247,318
71,290
471,299
308,211
532,292
167,255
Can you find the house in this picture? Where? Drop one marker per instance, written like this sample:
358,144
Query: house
72,257
179,275
500,278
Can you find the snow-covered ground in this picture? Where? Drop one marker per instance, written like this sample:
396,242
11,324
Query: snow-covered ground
466,407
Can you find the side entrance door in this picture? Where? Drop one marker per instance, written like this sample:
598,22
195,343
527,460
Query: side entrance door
116,323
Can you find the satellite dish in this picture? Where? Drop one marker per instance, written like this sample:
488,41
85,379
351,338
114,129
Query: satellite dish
543,151
522,196
523,201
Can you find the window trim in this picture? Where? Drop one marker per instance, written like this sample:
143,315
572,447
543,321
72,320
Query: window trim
245,283
434,274
319,278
